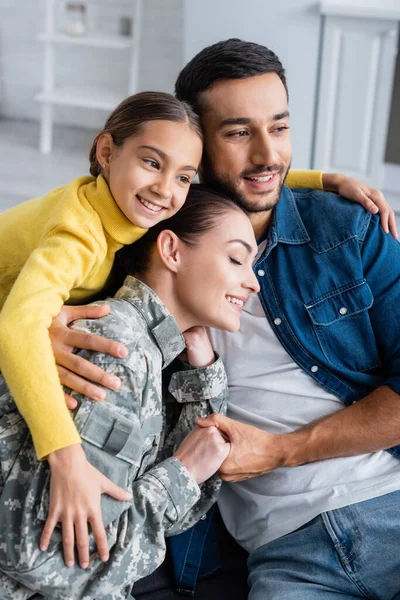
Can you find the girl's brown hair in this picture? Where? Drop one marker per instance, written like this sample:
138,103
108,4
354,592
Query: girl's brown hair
133,112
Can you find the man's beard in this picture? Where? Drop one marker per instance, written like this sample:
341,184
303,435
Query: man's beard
225,185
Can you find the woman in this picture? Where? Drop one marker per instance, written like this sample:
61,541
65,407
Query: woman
196,266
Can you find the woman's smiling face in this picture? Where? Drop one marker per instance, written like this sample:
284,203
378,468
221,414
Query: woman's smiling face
216,275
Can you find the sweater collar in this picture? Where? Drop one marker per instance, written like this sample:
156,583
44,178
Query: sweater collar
160,322
115,223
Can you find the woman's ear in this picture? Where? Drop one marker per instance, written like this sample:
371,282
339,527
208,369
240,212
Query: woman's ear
104,149
168,248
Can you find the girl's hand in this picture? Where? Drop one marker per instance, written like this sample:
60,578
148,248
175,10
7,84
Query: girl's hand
199,351
75,490
74,371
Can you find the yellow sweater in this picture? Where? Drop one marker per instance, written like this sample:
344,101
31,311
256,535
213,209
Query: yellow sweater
54,249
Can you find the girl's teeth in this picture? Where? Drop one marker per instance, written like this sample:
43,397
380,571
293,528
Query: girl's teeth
150,205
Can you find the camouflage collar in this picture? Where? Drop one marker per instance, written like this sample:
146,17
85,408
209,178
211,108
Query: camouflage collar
160,322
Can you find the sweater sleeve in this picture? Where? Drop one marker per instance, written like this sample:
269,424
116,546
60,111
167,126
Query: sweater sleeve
304,179
59,265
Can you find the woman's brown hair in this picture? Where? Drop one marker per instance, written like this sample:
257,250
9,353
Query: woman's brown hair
133,112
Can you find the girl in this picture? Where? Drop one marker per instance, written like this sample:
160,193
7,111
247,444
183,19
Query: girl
195,269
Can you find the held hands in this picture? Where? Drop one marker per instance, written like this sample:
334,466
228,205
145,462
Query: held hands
253,452
202,452
75,490
75,371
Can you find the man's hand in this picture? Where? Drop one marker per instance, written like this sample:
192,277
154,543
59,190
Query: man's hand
202,452
253,452
76,372
371,199
75,490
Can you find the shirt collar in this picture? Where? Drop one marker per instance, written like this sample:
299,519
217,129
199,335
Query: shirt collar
287,222
160,322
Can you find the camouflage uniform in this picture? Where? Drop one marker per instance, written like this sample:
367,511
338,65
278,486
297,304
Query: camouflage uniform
131,442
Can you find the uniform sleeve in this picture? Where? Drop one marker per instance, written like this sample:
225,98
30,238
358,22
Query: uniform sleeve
304,179
60,264
201,392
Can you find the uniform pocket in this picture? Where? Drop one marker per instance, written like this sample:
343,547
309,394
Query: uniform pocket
115,445
342,325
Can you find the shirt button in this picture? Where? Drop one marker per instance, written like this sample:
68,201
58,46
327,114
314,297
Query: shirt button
203,518
314,369
343,310
261,272
277,321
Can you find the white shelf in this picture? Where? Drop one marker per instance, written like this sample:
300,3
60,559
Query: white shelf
87,97
117,42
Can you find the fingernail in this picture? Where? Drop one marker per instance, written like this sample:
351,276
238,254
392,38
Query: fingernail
104,558
43,548
99,394
114,383
84,565
70,563
122,351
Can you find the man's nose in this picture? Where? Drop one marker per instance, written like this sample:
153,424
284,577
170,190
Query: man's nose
263,151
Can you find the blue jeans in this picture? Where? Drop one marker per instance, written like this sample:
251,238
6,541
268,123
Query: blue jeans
351,552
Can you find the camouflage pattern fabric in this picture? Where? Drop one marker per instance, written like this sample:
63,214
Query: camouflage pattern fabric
130,437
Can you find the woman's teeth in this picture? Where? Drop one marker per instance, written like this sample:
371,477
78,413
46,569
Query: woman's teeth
234,300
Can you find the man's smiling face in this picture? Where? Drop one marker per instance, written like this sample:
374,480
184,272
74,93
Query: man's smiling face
247,139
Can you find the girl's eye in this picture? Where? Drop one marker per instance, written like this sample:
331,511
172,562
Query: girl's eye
152,163
184,179
235,262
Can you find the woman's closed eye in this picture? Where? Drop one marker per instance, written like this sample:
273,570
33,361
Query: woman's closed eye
235,261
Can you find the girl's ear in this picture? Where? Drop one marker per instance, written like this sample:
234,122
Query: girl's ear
104,149
168,248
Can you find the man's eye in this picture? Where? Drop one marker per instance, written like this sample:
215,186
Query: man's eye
281,129
152,163
234,261
241,133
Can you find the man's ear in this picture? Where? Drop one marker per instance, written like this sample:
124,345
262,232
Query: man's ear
104,149
168,248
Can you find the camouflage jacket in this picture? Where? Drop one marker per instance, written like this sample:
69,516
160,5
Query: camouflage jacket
130,437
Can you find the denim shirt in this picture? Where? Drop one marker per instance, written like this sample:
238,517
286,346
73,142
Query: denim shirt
330,288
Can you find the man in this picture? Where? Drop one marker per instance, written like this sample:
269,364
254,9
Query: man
315,370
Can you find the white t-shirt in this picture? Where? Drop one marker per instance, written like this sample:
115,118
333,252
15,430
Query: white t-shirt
267,389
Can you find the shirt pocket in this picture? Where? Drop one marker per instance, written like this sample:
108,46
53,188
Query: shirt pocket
115,445
343,328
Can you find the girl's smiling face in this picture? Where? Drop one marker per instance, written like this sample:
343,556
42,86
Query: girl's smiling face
150,174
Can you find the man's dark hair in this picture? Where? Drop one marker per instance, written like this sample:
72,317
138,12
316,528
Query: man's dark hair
230,59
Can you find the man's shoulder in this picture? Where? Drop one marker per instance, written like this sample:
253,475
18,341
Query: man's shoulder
330,218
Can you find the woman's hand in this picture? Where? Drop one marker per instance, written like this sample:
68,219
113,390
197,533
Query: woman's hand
371,199
199,351
75,491
203,451
76,372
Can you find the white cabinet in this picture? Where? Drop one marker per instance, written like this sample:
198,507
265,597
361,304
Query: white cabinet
97,97
359,48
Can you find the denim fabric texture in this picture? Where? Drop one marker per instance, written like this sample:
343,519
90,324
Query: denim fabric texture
348,553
